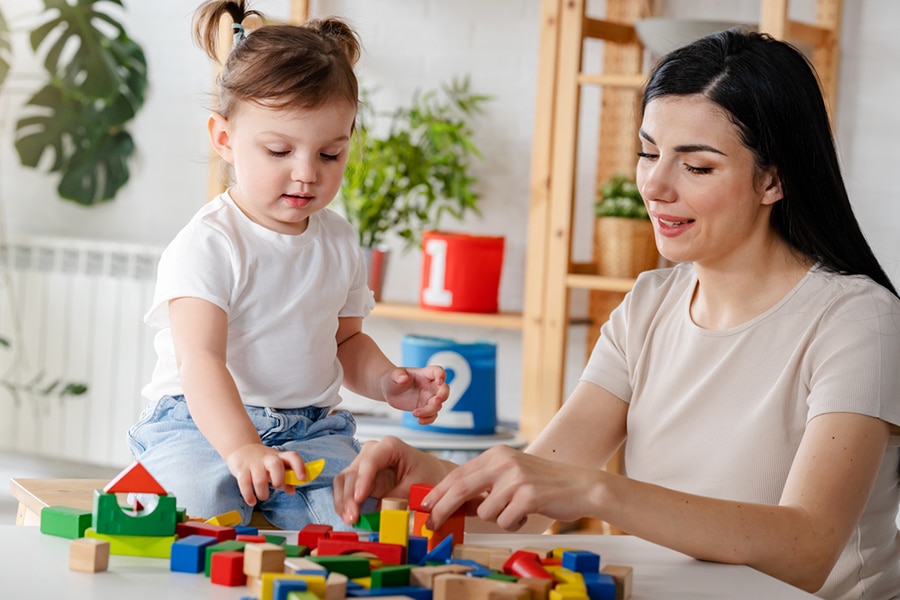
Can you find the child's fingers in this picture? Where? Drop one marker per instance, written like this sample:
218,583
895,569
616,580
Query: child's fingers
245,485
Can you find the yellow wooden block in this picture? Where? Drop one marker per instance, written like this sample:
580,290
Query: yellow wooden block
366,582
151,546
567,592
313,468
314,583
229,519
566,577
393,527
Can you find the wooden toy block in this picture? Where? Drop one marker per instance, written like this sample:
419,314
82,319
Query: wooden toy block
622,575
295,550
229,519
391,554
313,469
566,592
600,586
314,583
221,534
391,576
415,593
297,595
582,561
306,565
134,479
351,536
263,558
135,545
418,526
424,576
540,588
416,549
394,527
65,522
454,587
228,568
88,555
359,583
565,576
478,569
417,492
245,530
336,586
455,525
251,539
158,520
368,522
353,567
394,504
225,546
480,554
522,563
188,555
310,535
283,588
276,539
441,552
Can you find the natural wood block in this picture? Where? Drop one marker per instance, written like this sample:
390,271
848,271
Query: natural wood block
88,555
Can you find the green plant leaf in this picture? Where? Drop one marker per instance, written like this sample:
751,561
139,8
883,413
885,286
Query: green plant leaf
5,49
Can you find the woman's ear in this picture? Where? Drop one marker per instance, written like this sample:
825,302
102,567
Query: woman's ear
220,137
772,191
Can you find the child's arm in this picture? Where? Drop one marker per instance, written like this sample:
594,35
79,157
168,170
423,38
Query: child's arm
368,372
199,334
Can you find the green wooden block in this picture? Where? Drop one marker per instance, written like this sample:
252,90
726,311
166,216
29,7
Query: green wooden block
369,522
221,546
295,551
136,545
391,576
302,596
501,576
112,519
64,521
275,539
351,566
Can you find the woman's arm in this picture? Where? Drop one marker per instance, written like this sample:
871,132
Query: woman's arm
797,541
199,334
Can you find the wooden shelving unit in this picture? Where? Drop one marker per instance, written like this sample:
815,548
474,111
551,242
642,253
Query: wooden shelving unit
413,312
550,271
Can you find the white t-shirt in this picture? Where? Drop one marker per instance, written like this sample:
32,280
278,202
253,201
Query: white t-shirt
282,294
721,413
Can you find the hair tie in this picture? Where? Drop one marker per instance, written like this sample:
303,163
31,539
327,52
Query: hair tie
239,33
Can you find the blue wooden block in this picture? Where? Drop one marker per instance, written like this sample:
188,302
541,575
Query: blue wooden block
416,549
415,592
600,586
282,587
189,553
581,561
245,530
478,569
440,553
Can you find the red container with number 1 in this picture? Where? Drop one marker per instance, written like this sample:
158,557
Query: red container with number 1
460,272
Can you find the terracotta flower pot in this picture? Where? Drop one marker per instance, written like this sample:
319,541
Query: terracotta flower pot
624,247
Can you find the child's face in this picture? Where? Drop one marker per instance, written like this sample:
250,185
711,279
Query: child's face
288,164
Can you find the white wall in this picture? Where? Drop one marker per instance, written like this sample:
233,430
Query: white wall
413,44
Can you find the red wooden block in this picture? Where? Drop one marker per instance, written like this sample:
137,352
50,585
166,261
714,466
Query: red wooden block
135,479
522,563
417,492
251,539
455,525
228,568
200,528
351,536
312,534
390,554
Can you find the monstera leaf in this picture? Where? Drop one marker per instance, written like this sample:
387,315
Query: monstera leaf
98,81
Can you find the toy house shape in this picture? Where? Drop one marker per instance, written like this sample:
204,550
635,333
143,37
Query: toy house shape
157,517
135,479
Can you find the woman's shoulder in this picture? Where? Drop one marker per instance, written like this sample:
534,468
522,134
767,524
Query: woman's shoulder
850,292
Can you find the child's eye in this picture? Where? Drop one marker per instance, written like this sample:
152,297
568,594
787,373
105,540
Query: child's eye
329,156
278,153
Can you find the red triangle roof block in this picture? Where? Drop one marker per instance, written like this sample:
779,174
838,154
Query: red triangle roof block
135,479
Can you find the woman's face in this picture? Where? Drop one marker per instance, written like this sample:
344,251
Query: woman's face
708,202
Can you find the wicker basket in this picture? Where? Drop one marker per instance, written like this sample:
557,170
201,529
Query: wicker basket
624,247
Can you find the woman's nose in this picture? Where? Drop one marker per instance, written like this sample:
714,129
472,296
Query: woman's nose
654,183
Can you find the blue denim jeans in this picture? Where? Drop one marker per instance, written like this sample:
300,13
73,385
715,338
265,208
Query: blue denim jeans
167,442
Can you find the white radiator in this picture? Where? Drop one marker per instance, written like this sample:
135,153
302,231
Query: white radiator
72,311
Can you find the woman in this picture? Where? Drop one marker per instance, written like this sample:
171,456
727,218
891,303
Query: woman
757,381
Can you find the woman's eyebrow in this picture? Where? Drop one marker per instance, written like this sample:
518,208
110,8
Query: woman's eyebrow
685,148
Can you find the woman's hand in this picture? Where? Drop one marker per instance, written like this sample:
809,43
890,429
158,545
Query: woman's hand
512,485
255,466
420,391
385,468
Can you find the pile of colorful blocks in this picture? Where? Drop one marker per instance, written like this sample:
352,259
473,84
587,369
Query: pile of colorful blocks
387,558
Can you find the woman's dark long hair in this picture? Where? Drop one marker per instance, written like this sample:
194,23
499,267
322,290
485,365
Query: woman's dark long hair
772,94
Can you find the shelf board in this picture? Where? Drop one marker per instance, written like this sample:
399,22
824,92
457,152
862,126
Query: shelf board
599,283
397,310
634,82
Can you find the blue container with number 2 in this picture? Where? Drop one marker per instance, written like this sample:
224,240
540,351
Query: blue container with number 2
472,375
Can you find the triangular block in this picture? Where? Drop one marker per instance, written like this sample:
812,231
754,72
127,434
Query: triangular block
134,479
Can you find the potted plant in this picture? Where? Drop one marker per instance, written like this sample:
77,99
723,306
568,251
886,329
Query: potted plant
96,79
404,182
624,243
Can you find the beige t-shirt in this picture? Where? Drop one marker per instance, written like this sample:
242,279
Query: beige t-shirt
721,413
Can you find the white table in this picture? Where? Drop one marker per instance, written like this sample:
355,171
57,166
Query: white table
33,565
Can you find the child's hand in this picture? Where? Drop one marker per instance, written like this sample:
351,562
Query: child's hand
421,391
255,466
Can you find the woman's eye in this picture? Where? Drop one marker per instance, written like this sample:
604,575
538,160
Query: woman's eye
646,155
698,170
